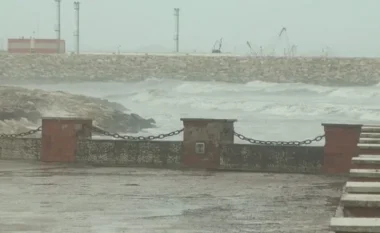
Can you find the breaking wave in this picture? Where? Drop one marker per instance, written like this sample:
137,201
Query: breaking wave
286,111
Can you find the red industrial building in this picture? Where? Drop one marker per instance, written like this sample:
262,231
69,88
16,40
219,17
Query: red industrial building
32,45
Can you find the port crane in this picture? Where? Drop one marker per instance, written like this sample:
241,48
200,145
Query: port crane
281,38
217,48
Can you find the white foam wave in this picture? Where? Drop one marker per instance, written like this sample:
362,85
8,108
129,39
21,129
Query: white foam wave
291,88
17,126
271,106
205,87
356,92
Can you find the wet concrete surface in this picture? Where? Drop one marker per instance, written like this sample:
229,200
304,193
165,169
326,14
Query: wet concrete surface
36,197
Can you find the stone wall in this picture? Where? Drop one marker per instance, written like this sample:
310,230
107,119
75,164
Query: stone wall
292,159
168,154
20,148
163,154
315,70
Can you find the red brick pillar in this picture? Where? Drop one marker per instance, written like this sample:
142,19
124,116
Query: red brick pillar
202,139
59,138
340,146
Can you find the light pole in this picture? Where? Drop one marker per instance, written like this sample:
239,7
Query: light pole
76,32
58,28
176,36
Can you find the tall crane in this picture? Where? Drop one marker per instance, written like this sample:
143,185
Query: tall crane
289,50
284,33
251,50
217,48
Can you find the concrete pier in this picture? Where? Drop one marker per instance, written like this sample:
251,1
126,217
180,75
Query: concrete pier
52,198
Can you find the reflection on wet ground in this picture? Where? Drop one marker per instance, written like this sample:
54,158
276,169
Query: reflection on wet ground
36,197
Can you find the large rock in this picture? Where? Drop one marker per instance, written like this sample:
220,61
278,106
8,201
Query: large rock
21,109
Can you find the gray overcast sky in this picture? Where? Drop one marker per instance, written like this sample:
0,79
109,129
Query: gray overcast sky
348,27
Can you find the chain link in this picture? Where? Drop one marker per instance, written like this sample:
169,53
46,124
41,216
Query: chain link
16,135
280,143
137,138
176,132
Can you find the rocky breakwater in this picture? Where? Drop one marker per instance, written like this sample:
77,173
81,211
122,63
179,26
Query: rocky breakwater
22,109
132,67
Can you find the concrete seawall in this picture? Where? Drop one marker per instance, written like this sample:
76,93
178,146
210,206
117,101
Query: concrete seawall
168,154
206,144
132,67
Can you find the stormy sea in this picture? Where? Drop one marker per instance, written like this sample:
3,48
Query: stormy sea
264,111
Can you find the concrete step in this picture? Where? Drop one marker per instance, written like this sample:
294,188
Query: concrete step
361,205
364,175
369,156
355,225
360,200
370,135
366,160
369,146
369,140
370,129
363,187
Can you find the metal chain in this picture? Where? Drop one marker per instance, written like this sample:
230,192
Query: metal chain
280,143
16,135
137,138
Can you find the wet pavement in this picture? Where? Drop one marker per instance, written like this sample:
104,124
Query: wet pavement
36,197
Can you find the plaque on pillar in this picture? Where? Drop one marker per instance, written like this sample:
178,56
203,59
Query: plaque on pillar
202,139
